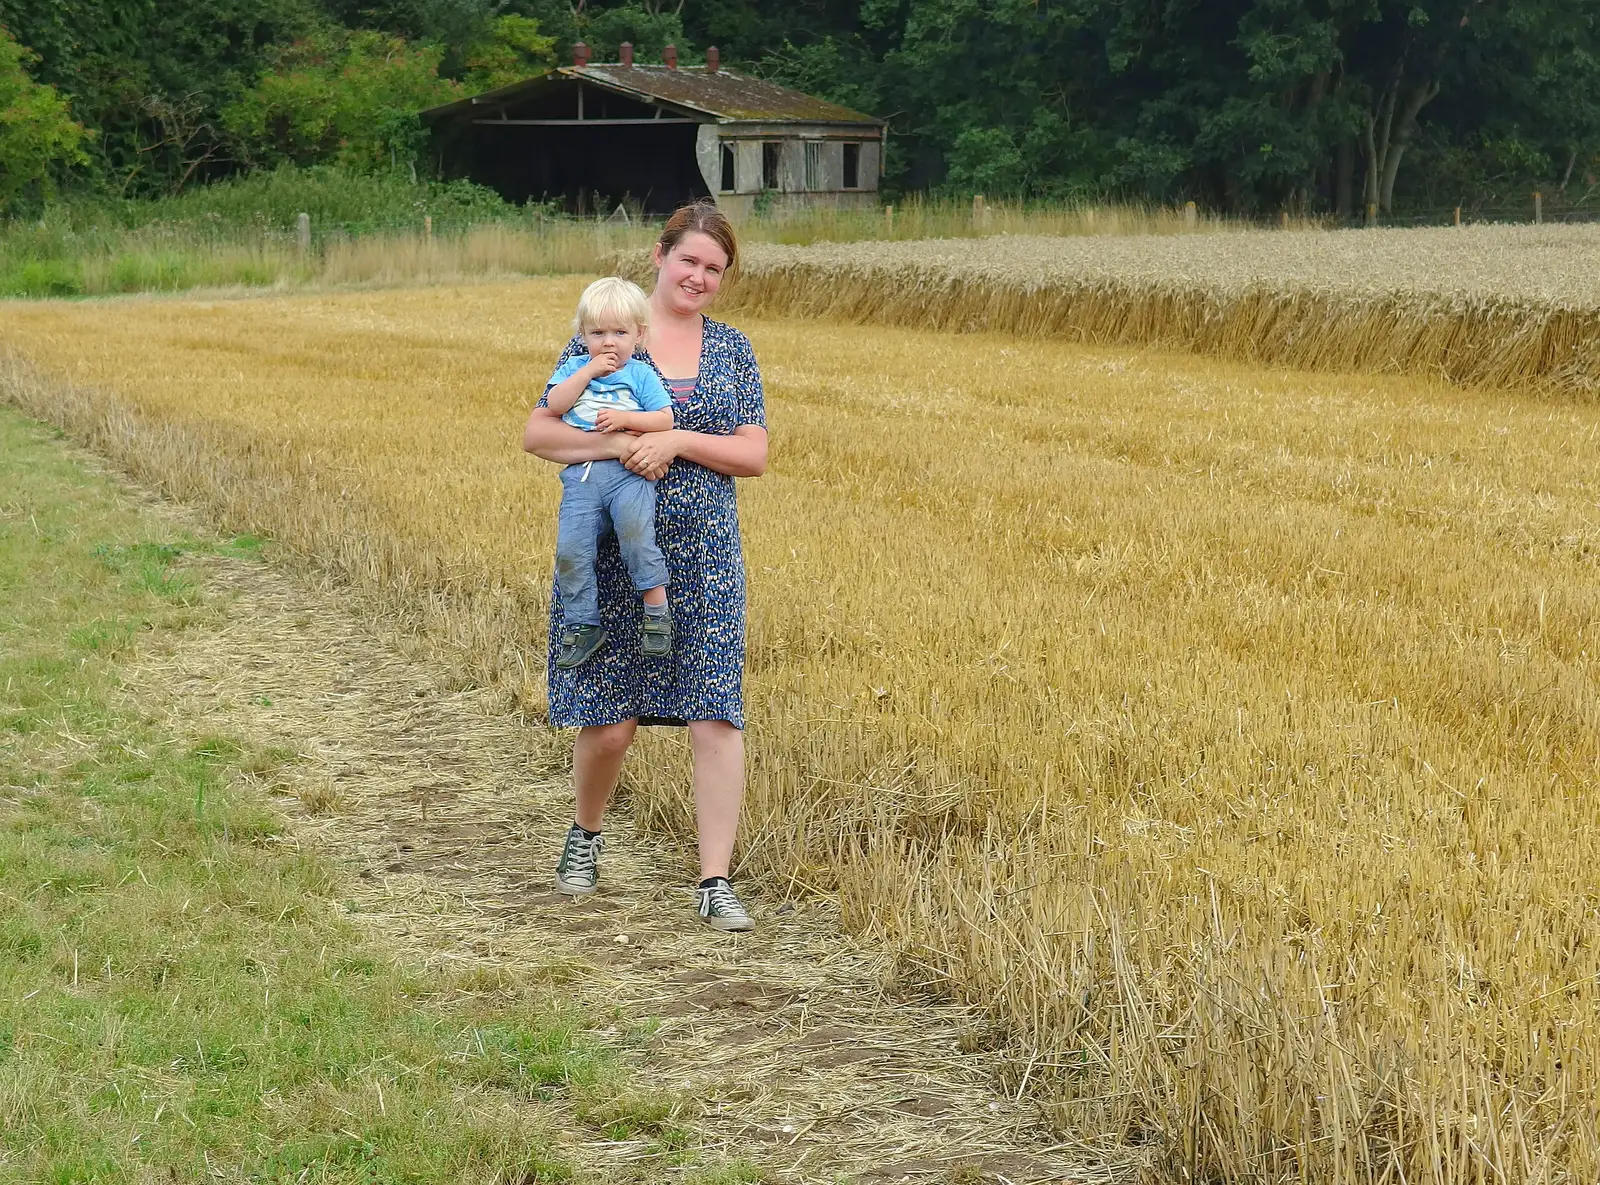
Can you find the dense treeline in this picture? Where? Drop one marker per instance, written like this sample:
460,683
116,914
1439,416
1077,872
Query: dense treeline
1244,105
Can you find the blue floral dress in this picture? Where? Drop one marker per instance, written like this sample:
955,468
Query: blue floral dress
697,529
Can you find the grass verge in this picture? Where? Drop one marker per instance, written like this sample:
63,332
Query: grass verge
180,993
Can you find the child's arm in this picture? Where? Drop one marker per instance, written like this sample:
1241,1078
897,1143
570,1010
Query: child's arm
610,420
565,393
655,414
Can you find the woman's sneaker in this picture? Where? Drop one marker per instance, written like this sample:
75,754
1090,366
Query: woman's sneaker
719,907
578,873
578,645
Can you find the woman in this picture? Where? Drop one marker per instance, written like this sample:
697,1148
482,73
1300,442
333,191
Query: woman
719,434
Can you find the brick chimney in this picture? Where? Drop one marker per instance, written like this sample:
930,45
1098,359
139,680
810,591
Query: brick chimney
713,59
580,54
626,53
669,55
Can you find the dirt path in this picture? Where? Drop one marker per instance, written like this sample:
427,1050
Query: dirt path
449,810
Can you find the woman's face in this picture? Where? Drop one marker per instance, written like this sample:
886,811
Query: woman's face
689,275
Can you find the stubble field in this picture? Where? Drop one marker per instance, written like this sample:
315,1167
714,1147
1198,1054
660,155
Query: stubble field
1230,732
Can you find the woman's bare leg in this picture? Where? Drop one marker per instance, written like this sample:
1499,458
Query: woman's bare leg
718,791
596,764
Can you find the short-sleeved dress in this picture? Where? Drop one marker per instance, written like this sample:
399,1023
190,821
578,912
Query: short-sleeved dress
697,529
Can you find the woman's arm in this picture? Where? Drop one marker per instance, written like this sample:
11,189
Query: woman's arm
550,438
744,454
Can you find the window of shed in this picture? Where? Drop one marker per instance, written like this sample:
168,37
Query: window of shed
728,185
815,173
852,166
769,165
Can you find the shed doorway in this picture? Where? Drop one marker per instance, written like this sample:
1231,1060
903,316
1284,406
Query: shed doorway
590,169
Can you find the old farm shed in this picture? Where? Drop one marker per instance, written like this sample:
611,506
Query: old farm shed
654,136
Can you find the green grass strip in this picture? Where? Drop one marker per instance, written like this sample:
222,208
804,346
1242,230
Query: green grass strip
180,994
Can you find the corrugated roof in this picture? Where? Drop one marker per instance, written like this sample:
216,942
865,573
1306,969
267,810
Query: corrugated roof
724,95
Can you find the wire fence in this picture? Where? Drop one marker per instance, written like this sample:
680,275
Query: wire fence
1536,210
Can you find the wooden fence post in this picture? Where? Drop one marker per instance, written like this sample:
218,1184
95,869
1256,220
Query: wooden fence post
1372,213
302,232
1458,215
1538,207
1191,216
888,221
427,227
980,216
1283,220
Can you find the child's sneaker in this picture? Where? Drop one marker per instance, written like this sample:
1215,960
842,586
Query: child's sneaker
578,645
578,872
655,634
720,908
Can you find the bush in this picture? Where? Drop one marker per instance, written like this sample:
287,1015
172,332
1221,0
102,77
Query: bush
268,201
150,271
41,277
334,197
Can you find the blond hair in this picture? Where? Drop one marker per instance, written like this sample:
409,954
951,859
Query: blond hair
612,299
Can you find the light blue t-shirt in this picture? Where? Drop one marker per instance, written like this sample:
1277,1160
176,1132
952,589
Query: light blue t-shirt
633,386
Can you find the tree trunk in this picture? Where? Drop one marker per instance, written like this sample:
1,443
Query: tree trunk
1315,187
1369,186
1385,137
1318,89
1376,143
1424,94
1344,184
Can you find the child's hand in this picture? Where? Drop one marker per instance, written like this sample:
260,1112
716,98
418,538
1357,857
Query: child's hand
610,419
604,363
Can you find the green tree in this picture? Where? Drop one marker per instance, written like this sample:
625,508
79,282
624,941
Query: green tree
838,68
649,24
1247,105
454,26
38,136
147,77
512,49
351,98
1553,88
602,25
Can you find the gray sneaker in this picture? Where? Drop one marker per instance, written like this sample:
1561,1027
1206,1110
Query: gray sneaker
719,907
578,873
655,635
578,645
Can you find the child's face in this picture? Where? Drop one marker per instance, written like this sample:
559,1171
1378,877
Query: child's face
612,337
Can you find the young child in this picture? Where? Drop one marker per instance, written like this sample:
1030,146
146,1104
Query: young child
608,390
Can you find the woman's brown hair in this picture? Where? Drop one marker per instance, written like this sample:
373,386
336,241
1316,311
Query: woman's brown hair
701,217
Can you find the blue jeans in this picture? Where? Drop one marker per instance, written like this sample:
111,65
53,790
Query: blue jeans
595,494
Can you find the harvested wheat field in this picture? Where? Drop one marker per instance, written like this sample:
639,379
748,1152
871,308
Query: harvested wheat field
1511,306
1229,733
